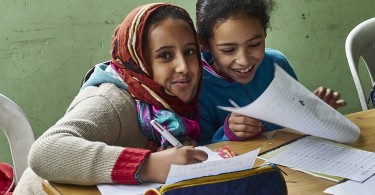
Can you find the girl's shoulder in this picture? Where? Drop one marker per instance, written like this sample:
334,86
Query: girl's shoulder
274,54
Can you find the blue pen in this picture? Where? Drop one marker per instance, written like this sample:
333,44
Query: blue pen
166,134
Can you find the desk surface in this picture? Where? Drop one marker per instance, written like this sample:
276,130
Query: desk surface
297,182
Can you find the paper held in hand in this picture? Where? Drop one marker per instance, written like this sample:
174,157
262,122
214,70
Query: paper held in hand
288,103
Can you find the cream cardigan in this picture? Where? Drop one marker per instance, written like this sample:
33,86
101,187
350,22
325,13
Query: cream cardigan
83,146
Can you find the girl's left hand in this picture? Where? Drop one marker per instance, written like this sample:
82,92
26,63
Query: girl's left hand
331,97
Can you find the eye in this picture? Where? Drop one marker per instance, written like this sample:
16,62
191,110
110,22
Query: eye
190,52
254,45
227,50
165,55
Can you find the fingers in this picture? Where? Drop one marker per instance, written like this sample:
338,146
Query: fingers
156,166
199,155
339,104
188,155
320,92
244,130
331,97
243,126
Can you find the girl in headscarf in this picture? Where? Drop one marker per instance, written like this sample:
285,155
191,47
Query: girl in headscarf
104,136
164,77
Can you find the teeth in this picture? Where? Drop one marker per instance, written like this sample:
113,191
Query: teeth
243,70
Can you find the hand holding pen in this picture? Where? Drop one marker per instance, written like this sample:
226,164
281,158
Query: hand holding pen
169,137
155,168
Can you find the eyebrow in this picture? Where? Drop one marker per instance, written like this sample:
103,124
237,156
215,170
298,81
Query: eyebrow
249,40
163,47
171,46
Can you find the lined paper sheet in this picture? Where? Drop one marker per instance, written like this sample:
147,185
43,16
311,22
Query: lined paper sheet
324,156
274,152
237,163
353,187
289,104
120,189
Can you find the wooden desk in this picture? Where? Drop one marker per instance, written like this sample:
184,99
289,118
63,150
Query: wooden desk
297,182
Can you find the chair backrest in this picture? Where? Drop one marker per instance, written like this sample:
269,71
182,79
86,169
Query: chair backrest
361,43
19,133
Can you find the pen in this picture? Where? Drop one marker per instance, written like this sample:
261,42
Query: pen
233,103
166,134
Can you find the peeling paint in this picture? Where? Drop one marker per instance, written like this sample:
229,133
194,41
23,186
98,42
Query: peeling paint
31,42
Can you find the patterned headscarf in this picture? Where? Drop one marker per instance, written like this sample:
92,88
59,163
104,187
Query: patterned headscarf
130,64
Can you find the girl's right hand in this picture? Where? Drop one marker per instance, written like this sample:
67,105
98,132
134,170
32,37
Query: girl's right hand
155,167
243,126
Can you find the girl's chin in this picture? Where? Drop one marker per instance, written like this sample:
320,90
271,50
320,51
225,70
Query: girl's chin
185,97
243,79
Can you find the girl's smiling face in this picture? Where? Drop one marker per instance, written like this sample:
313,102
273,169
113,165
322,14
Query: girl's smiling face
172,53
238,46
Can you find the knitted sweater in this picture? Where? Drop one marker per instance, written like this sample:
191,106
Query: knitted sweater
97,141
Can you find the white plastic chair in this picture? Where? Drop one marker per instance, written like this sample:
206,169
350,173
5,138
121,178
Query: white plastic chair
19,132
361,43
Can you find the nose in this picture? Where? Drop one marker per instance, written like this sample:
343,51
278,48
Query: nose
181,64
243,57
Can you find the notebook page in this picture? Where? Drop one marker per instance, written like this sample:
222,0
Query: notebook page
289,104
237,163
327,157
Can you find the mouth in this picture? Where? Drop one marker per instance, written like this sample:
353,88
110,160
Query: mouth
182,81
244,70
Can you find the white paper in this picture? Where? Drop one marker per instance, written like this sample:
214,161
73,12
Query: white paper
353,187
289,104
237,163
120,189
211,154
325,156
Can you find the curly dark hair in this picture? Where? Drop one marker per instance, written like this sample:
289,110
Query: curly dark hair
210,12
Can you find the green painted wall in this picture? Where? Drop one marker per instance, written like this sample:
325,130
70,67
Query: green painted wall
46,46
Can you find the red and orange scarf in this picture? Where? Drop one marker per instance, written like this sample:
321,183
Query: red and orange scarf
129,62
